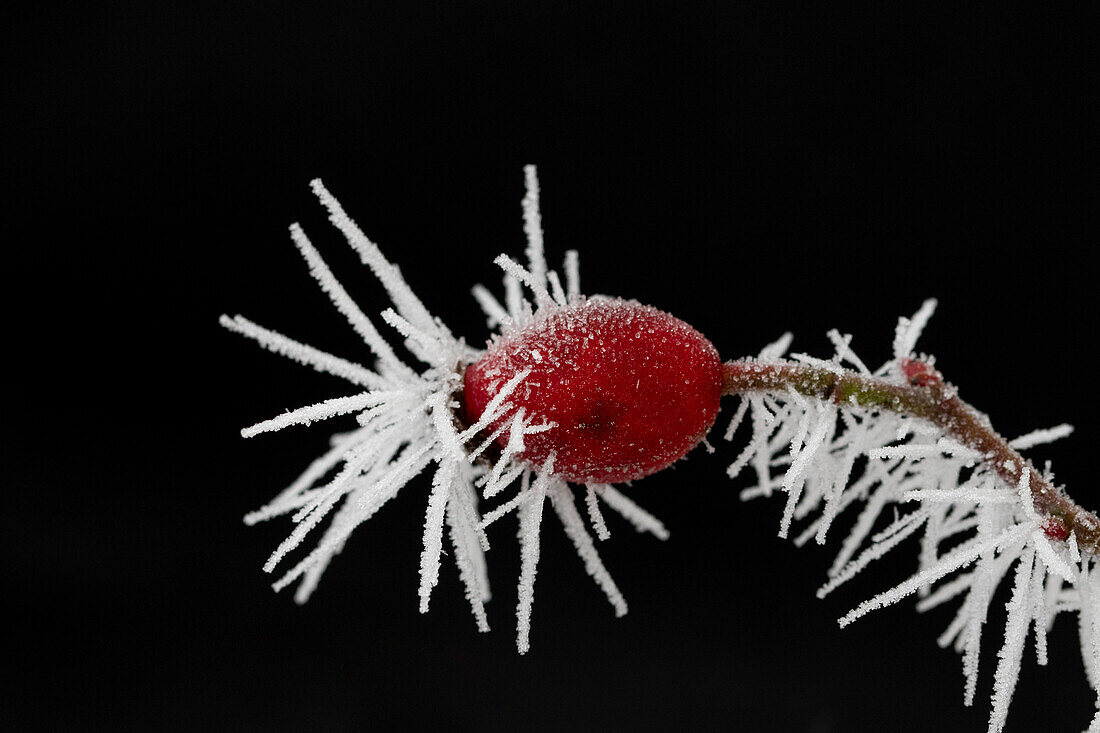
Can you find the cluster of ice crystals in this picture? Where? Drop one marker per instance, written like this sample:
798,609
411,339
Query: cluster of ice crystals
407,424
903,478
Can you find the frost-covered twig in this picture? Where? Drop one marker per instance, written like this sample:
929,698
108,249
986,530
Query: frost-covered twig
977,505
937,402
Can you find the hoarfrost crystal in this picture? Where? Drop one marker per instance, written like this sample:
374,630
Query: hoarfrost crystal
407,423
905,478
939,491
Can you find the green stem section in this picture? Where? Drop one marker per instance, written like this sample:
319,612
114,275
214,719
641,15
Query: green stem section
933,400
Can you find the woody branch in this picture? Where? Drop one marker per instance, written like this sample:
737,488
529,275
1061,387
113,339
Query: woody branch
926,396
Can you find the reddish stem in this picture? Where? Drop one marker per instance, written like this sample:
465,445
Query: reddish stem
928,397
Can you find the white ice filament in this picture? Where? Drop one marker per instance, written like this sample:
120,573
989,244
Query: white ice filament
916,481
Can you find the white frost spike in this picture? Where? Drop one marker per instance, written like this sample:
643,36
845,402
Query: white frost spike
907,526
529,522
974,612
471,563
1049,557
561,498
793,481
499,478
738,416
877,465
1027,504
495,406
642,520
556,289
332,493
288,500
363,503
407,424
1039,611
494,311
959,558
511,505
843,345
404,299
535,283
594,515
1088,584
776,348
433,531
319,411
303,354
968,494
343,301
1039,437
1008,668
532,227
909,329
572,275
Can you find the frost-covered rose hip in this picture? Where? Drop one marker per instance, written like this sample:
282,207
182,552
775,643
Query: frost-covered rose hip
615,390
629,388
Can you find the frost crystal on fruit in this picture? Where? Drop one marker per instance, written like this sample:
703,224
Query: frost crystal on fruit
409,420
628,388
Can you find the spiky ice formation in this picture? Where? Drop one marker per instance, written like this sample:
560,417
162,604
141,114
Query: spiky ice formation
905,478
826,454
408,421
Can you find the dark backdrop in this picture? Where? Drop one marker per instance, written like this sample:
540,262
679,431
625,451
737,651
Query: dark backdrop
751,168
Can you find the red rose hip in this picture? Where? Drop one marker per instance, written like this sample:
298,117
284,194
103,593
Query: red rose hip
629,388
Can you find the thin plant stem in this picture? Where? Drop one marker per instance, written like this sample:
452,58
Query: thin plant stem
930,399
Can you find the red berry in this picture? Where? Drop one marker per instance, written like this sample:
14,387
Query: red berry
920,373
1055,528
630,388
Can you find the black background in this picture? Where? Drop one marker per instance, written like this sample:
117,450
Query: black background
751,168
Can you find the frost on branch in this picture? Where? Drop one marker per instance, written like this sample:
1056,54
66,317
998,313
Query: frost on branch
900,479
408,422
904,479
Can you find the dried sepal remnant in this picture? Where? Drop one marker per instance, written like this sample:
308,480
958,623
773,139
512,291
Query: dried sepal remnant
409,422
833,437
